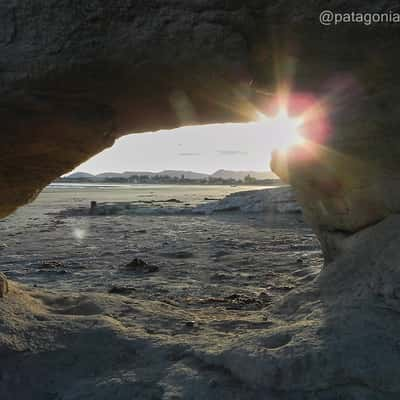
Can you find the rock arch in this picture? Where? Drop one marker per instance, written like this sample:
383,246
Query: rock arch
75,76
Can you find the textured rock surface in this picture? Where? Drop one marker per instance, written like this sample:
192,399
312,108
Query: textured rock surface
74,76
279,200
347,177
337,336
338,196
334,337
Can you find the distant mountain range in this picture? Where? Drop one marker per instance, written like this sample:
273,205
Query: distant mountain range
240,175
221,173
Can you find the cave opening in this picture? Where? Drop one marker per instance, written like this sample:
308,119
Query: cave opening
187,285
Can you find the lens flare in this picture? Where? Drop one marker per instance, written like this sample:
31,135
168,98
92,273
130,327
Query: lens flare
295,122
79,233
286,128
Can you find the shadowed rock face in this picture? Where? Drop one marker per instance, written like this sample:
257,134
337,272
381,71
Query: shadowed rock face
76,76
346,177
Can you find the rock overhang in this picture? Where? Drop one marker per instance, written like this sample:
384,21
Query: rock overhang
74,78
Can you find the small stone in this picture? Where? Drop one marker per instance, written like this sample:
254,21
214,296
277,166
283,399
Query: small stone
139,265
136,263
51,265
265,297
3,285
121,290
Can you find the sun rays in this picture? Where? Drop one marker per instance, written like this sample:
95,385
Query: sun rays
286,127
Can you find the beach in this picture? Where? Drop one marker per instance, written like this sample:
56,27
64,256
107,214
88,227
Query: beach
145,300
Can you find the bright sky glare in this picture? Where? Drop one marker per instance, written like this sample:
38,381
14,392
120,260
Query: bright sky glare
204,148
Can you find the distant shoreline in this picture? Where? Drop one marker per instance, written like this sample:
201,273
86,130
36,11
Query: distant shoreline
173,181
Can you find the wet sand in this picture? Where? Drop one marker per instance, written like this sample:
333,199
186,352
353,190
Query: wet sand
142,306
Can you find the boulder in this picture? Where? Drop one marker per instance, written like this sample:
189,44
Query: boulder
278,200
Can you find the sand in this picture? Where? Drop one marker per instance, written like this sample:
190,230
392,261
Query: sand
79,324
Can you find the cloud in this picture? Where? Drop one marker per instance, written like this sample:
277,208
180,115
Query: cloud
189,154
232,152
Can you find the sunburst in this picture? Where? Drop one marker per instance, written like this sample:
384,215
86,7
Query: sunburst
287,127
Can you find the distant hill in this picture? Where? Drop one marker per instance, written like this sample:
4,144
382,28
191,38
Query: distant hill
81,175
186,174
108,175
221,174
240,175
125,174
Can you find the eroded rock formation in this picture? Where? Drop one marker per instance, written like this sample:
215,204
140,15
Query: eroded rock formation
75,76
346,176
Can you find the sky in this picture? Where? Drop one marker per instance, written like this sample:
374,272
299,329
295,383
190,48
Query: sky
204,149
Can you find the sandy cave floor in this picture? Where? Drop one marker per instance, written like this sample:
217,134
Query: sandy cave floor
79,325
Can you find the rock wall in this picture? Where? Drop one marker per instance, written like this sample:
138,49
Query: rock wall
75,76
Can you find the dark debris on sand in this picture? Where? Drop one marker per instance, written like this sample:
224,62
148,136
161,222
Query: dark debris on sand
140,266
121,290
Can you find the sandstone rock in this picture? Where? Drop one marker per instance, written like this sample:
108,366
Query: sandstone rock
75,76
279,200
3,285
335,337
78,75
340,195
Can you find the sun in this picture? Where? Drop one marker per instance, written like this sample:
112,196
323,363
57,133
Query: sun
285,128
